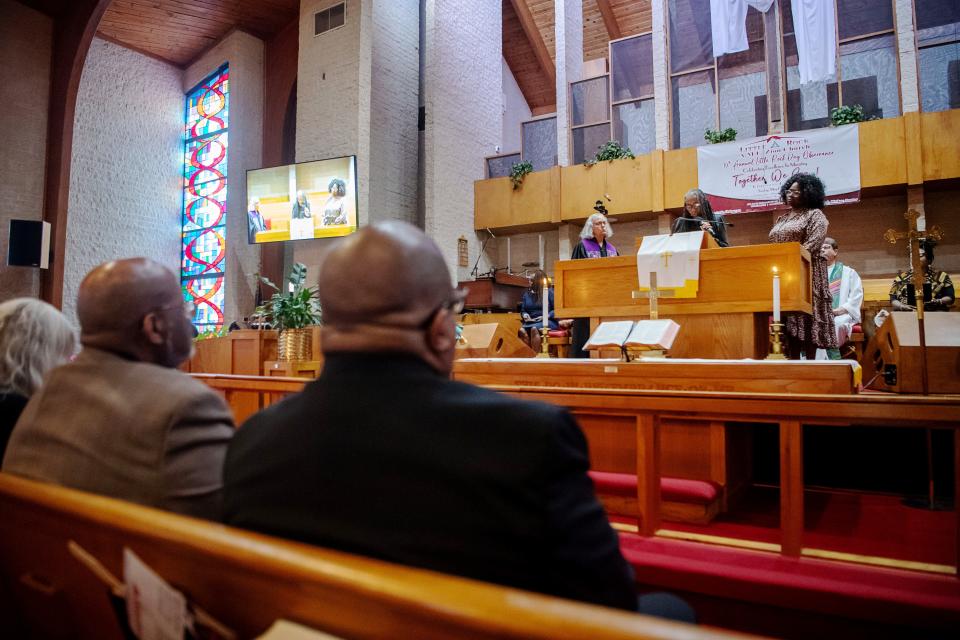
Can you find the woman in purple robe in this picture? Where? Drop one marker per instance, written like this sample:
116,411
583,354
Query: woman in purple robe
593,244
593,239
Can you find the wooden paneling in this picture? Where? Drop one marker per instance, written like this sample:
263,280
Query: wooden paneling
539,91
679,175
180,30
940,135
532,207
883,153
626,182
732,280
580,187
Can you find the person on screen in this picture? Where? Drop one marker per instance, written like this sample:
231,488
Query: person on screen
335,209
301,207
698,215
805,223
255,221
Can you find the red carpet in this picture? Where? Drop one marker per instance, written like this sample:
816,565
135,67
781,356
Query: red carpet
795,597
865,524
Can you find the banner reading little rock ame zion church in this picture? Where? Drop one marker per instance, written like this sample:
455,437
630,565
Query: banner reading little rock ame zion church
746,175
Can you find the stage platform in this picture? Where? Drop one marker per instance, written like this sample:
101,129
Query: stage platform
841,377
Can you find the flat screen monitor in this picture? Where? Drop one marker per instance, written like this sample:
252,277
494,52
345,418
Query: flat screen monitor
302,201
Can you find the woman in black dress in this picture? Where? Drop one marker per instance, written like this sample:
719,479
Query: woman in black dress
698,215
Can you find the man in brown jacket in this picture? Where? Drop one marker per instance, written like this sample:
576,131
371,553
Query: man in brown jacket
120,420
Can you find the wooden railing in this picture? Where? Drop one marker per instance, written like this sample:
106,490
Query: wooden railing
246,581
597,409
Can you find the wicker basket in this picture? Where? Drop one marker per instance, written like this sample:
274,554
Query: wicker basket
294,344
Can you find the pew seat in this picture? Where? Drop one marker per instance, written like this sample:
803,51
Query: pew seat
681,499
246,581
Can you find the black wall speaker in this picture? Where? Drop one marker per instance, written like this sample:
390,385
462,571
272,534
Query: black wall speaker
29,244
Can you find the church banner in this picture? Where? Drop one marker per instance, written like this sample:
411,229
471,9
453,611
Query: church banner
746,175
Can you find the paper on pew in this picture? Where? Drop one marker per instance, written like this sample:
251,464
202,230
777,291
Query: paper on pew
155,610
286,630
653,334
610,334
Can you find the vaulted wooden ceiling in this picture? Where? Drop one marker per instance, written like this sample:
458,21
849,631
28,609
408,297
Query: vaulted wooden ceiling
178,31
529,47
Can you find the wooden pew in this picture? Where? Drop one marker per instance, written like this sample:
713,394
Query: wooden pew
246,581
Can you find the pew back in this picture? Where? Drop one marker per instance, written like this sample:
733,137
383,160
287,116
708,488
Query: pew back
247,580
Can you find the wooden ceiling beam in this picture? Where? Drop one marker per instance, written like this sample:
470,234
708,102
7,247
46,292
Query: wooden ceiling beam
609,19
536,42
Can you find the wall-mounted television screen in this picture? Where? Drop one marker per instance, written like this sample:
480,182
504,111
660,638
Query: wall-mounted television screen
302,201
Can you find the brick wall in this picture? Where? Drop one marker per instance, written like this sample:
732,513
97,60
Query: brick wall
244,53
25,50
124,188
515,111
462,97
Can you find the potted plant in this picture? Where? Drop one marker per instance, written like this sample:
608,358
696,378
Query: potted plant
610,151
292,312
848,114
519,171
716,136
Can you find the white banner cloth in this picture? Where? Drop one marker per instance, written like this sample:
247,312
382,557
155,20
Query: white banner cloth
674,258
814,25
728,24
746,175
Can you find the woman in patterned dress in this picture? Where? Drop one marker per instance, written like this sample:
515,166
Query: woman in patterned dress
806,224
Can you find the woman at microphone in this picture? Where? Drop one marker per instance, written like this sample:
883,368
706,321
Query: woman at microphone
699,215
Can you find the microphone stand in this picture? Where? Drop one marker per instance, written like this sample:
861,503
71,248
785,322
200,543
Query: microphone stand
476,265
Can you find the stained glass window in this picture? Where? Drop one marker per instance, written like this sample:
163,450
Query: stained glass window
204,228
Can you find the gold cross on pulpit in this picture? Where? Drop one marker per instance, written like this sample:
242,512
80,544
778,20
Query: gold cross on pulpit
666,258
654,294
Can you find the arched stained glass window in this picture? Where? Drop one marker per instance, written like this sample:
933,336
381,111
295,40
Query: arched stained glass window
205,199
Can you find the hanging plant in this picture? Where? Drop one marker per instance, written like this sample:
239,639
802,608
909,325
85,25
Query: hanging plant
519,171
716,136
848,114
610,151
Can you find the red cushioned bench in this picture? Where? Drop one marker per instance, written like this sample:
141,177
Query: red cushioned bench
681,499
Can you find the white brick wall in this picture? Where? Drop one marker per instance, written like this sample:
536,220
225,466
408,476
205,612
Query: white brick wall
515,111
907,48
661,80
124,183
244,53
25,50
393,110
462,96
568,35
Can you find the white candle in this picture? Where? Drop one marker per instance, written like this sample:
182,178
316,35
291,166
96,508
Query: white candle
546,307
776,295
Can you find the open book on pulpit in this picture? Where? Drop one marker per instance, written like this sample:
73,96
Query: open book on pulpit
642,335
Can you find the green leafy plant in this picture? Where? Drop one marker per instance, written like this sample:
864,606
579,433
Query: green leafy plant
716,136
610,151
848,114
519,171
212,333
292,309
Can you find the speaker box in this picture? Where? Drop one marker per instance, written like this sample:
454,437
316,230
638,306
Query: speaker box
894,353
29,244
491,341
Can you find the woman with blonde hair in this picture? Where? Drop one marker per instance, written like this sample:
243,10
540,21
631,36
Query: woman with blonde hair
34,338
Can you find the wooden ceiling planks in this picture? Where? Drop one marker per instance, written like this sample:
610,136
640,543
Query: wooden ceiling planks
180,30
628,17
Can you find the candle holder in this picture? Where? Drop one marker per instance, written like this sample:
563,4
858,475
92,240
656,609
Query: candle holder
776,342
544,346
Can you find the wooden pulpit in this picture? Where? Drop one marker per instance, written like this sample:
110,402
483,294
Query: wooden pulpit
728,318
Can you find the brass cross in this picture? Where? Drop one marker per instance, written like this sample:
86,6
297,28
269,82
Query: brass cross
654,295
913,237
666,258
